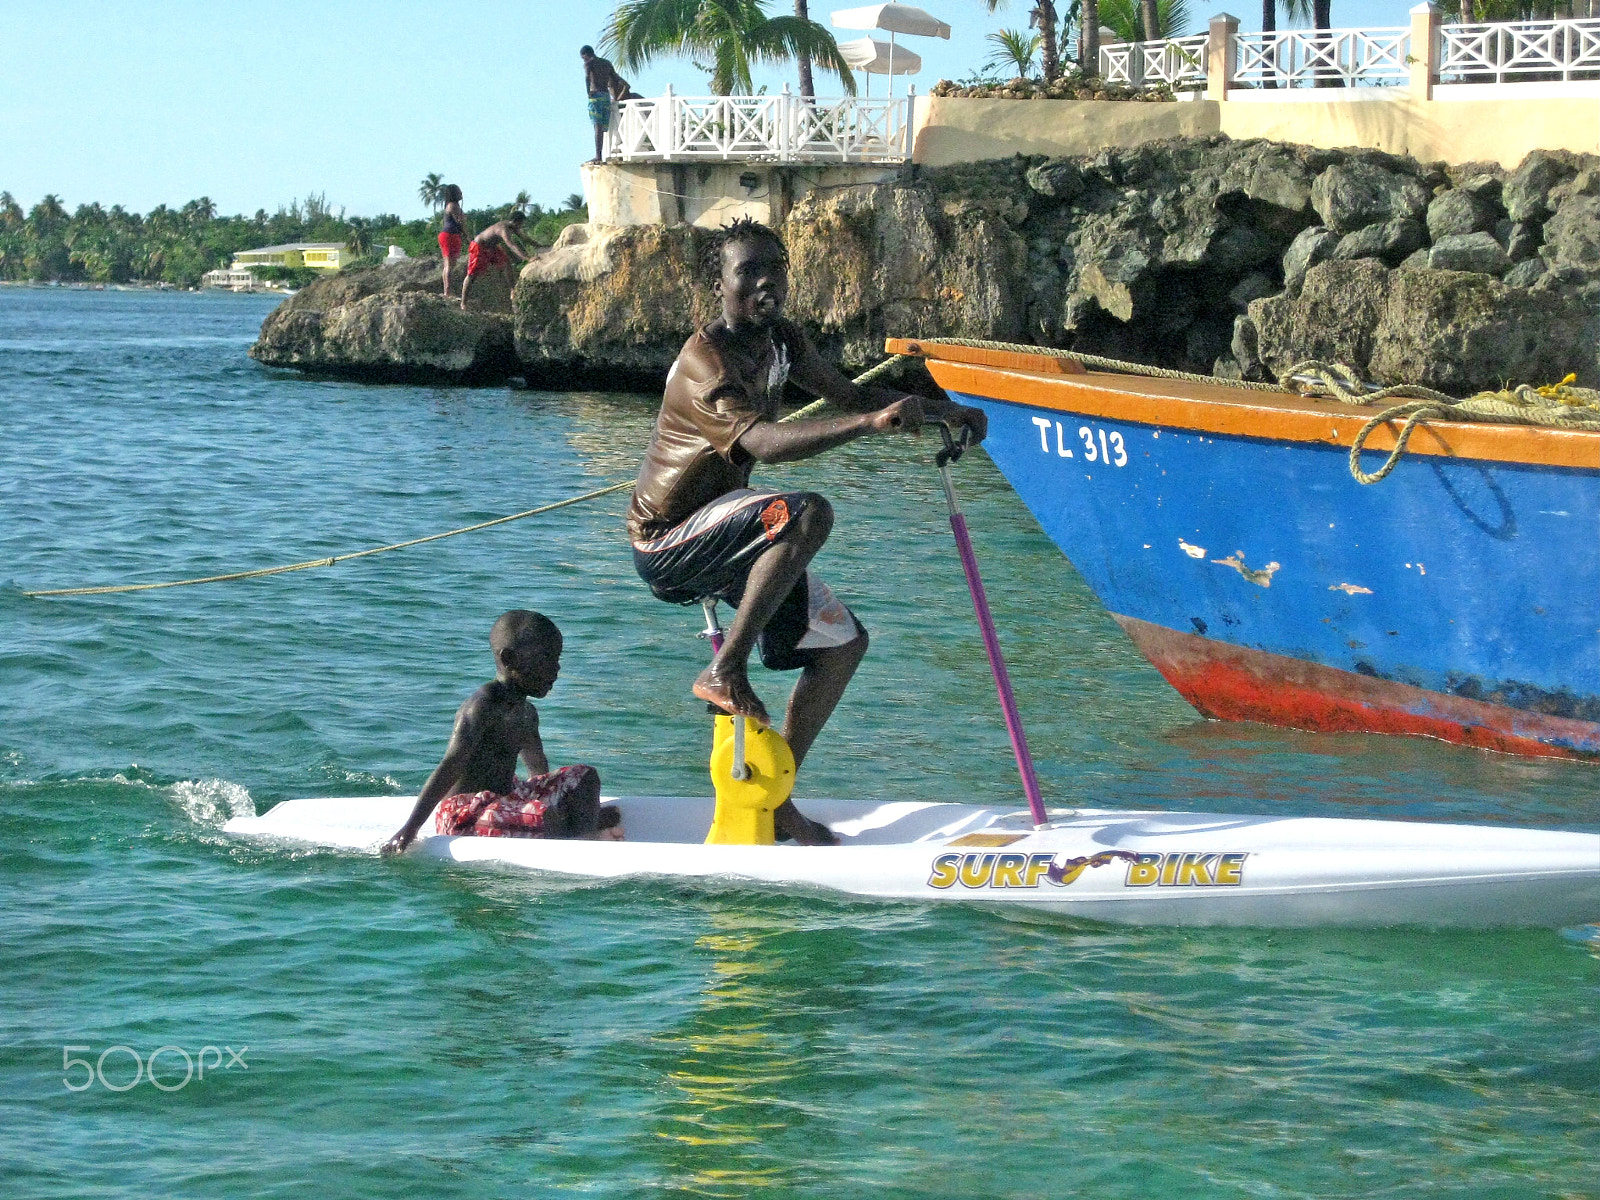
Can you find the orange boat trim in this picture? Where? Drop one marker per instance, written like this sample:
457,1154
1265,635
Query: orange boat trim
1044,381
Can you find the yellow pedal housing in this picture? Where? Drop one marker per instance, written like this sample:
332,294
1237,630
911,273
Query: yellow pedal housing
743,815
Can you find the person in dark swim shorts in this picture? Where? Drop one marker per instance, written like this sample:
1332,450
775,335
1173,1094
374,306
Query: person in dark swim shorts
697,527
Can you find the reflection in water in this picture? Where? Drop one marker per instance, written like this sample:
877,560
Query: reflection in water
730,1071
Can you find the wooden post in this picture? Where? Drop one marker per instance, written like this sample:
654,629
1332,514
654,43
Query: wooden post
1425,50
1221,55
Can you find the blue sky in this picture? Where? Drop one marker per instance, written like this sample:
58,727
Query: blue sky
255,105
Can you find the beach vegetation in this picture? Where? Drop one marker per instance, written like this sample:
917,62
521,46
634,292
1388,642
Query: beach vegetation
723,38
98,244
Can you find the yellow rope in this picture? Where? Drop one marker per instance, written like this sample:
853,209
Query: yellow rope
865,377
329,561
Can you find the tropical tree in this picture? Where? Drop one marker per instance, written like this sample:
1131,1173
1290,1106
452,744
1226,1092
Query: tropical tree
1125,18
10,211
359,241
520,204
1014,51
731,34
48,213
574,202
1150,22
1043,17
431,192
802,61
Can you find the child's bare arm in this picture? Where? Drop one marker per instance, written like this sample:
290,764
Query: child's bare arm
464,741
532,748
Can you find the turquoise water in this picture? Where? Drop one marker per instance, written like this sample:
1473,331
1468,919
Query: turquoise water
421,1029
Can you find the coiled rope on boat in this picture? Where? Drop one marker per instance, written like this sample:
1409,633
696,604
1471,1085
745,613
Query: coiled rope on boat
865,377
1558,405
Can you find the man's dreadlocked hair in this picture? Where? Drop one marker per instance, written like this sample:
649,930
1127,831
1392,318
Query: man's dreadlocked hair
745,229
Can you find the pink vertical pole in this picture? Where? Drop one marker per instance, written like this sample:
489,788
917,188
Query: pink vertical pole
991,640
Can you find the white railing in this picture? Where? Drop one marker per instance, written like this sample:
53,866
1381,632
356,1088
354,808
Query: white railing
779,128
1178,62
1494,53
1337,57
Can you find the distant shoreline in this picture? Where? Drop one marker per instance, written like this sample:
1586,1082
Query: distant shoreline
80,286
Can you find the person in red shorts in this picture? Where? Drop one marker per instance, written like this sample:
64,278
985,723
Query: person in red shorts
453,226
489,249
475,786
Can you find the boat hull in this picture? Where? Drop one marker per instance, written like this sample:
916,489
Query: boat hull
1129,867
1459,598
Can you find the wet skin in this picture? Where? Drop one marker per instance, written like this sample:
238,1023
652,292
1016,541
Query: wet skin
754,288
494,727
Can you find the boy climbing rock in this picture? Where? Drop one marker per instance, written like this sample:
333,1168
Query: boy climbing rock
697,527
477,778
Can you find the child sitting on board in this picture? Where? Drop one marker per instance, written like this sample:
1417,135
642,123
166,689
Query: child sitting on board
477,778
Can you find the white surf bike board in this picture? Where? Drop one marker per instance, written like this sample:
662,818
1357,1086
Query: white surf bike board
1139,868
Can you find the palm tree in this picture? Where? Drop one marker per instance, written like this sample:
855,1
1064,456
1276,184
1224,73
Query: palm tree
732,34
574,202
1125,18
803,61
48,213
431,192
1014,49
1150,20
1295,10
1043,17
359,242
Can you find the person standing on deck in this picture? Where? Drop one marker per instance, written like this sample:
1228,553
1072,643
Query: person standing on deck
699,530
604,88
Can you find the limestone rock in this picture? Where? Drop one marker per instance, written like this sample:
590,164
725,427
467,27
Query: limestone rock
1572,236
389,323
1486,187
1391,241
1308,249
1058,178
1469,252
1459,211
1527,192
1455,331
1352,195
623,301
1522,240
1252,287
1526,273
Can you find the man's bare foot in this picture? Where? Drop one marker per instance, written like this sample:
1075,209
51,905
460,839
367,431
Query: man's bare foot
731,693
788,822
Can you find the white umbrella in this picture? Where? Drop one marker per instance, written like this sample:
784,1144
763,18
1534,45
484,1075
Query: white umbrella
892,19
873,57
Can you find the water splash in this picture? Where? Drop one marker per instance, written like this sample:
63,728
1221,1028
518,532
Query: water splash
212,802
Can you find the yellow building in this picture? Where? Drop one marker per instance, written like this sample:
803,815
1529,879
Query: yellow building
319,256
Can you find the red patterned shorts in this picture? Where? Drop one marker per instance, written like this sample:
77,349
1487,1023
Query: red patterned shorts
521,814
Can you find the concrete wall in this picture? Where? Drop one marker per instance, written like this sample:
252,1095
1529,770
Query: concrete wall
1503,129
949,129
710,194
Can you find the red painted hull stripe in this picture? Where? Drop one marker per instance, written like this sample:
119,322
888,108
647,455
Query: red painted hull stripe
1232,683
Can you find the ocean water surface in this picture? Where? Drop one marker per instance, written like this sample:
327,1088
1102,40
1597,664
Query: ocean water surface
418,1029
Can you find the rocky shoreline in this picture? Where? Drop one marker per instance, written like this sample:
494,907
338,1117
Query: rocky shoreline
1205,254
